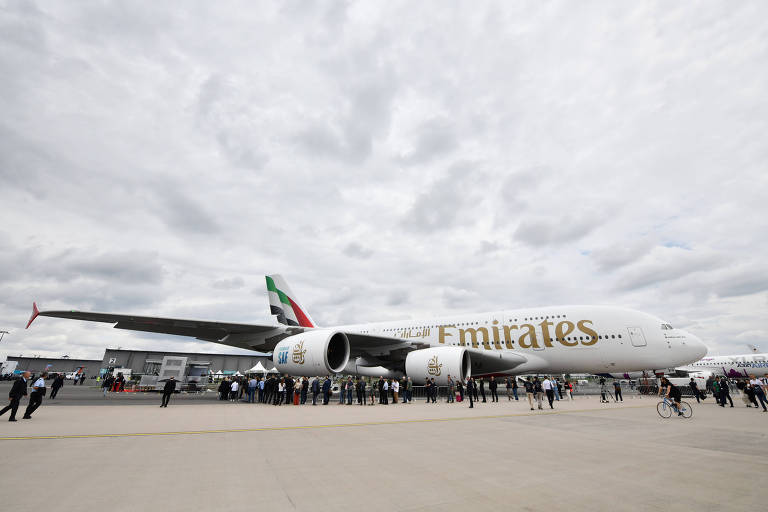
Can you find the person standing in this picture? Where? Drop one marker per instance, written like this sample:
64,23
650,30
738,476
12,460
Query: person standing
372,392
315,390
460,388
395,390
261,389
350,389
58,382
304,390
427,389
529,391
451,390
694,390
289,390
492,385
224,389
514,388
269,389
106,385
233,388
385,392
17,392
297,392
482,389
568,389
558,389
716,392
548,386
745,396
168,389
253,385
362,391
409,390
326,390
382,395
243,385
36,396
280,392
617,391
757,388
471,391
539,391
725,392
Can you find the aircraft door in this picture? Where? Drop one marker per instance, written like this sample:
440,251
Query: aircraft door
637,336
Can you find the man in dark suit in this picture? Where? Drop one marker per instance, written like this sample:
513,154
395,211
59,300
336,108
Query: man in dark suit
18,390
304,389
315,390
58,382
168,389
492,385
326,390
471,390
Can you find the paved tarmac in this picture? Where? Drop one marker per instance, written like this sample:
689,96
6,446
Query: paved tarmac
209,454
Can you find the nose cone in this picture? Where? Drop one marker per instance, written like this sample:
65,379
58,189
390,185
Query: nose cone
695,346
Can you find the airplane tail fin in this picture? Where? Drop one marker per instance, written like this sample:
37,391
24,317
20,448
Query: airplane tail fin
284,304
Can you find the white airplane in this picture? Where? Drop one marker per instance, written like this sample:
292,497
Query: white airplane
560,339
735,367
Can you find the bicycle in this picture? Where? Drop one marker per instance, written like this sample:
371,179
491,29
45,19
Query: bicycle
667,406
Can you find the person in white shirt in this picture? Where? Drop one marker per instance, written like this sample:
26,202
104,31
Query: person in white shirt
280,392
548,386
233,390
36,396
386,392
757,386
395,390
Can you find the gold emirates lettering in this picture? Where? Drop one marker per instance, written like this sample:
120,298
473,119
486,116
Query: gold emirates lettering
528,338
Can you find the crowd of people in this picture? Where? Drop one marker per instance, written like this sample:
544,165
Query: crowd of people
279,390
753,391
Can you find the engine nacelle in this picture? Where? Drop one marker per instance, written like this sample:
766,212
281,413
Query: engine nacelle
438,362
316,352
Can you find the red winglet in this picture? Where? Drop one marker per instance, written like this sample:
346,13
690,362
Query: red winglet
35,312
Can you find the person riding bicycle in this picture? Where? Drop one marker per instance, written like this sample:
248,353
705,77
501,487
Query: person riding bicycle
673,392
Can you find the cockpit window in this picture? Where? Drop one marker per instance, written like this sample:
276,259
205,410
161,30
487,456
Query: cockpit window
666,327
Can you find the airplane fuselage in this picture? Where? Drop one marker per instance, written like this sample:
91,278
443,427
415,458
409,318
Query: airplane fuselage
588,339
736,366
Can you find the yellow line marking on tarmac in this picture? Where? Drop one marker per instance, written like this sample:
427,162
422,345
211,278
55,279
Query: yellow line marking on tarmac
306,427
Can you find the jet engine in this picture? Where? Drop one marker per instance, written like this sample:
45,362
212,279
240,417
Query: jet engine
315,352
438,363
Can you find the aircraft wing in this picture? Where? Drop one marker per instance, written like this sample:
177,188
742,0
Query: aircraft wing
378,350
200,329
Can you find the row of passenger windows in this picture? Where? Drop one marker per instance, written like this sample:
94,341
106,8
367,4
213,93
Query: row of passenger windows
464,324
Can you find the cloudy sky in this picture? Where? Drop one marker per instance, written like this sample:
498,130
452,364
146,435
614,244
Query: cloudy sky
390,159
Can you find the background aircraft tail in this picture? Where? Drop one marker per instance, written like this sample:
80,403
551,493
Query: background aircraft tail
284,304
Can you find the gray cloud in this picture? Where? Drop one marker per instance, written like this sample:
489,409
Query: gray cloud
541,230
232,283
355,250
391,163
